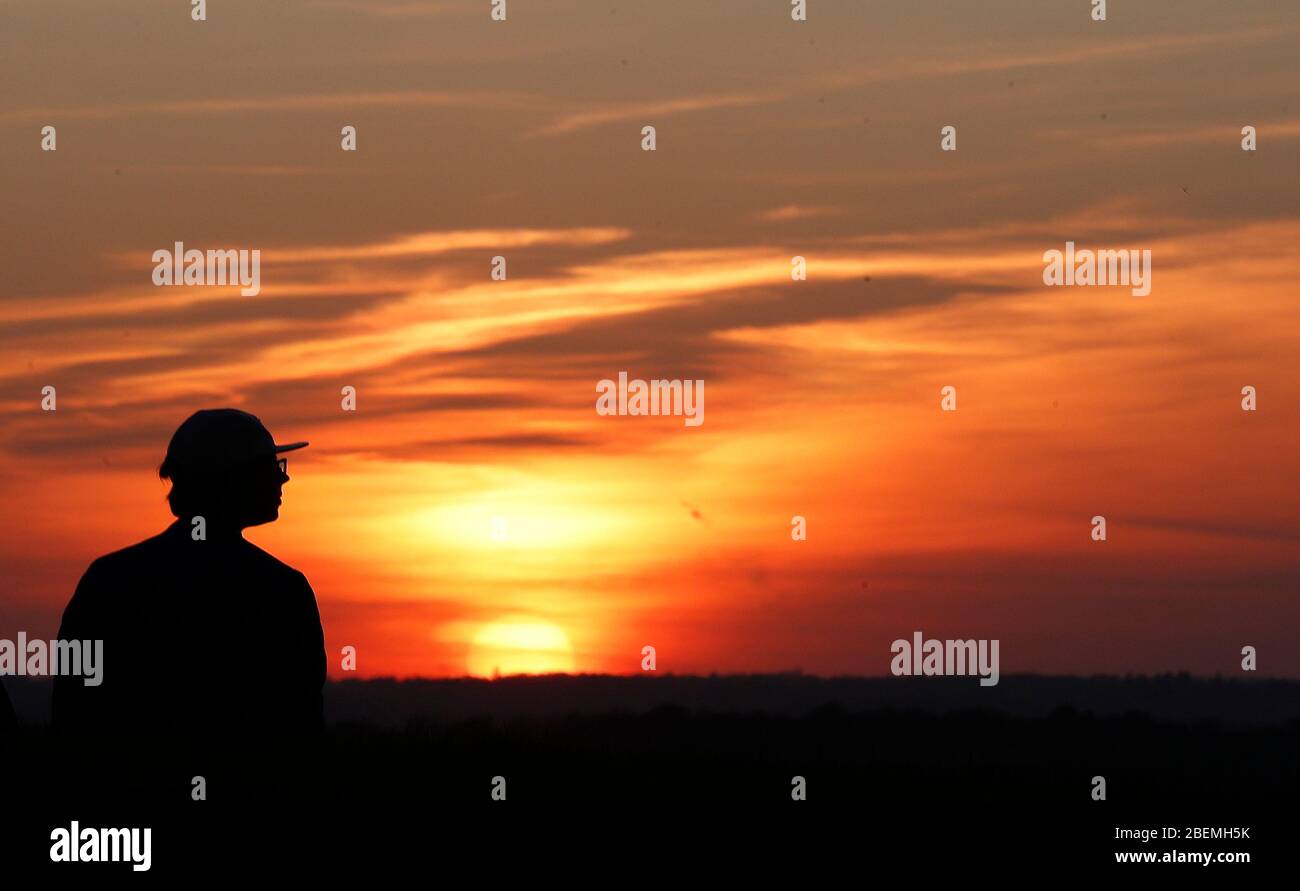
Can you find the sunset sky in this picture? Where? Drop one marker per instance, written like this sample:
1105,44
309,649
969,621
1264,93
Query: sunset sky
476,513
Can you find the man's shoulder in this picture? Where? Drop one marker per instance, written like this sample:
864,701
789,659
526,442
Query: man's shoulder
290,589
169,559
109,582
127,558
269,563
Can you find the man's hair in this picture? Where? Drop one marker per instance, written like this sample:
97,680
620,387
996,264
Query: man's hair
191,493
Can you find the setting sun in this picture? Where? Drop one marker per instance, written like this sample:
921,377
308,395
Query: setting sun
520,646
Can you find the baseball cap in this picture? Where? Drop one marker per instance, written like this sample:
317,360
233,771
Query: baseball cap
220,437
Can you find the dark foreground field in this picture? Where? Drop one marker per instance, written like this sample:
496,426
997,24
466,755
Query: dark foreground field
899,767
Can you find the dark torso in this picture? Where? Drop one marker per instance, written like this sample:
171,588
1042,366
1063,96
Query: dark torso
207,645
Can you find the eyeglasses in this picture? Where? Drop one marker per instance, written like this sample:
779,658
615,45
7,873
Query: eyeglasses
283,464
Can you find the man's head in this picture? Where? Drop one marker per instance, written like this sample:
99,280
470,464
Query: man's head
224,466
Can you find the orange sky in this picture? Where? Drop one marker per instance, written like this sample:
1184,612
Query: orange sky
476,513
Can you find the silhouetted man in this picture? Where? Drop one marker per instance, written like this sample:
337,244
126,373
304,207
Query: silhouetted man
8,722
213,653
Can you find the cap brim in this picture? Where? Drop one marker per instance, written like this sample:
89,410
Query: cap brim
290,446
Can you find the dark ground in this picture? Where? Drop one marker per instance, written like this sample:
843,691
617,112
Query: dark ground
898,770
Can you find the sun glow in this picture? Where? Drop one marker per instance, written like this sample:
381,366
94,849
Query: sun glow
520,646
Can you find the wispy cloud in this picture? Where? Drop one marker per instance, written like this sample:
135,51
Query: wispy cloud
1227,134
649,110
796,212
303,102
